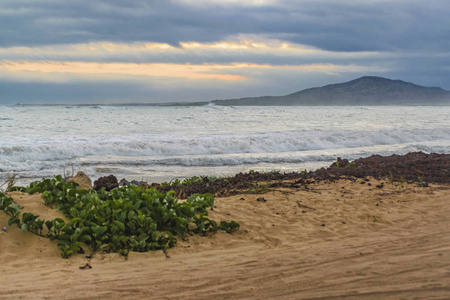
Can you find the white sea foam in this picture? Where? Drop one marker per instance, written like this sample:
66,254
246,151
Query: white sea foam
4,108
36,141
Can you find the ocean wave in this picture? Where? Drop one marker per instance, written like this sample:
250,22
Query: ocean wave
189,165
43,140
5,108
55,148
108,107
220,149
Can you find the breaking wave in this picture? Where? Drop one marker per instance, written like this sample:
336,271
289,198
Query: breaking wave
40,140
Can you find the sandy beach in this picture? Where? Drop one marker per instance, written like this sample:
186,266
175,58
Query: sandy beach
344,239
225,149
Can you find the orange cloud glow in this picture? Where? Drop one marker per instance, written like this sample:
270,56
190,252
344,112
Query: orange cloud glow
147,69
56,70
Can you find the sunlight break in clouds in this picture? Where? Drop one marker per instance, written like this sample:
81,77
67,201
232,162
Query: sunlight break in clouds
248,61
245,50
185,71
150,69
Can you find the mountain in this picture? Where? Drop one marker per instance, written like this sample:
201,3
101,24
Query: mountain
367,90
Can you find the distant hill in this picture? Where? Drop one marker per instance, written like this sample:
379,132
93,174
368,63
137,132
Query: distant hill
367,90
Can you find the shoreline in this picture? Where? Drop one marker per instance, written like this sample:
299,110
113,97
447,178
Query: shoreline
159,146
411,167
414,167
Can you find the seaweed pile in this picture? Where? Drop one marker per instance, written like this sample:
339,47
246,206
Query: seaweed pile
413,167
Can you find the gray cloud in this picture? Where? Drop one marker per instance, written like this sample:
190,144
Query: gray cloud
331,25
409,39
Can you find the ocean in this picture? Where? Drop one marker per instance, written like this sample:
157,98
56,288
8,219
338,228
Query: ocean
160,143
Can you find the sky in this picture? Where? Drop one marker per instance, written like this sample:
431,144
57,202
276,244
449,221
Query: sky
129,51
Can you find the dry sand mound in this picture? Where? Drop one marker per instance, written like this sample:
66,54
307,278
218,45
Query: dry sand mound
344,239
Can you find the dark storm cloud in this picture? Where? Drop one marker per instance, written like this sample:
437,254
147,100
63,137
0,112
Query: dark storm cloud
331,25
328,41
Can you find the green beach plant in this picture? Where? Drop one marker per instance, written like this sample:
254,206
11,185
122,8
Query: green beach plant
10,182
391,177
125,219
258,188
184,182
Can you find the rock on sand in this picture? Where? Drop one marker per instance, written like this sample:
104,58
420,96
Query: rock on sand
83,180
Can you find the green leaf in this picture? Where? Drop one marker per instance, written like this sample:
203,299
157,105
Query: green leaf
28,217
120,225
99,230
85,238
16,207
64,243
13,220
154,236
59,220
229,226
49,225
76,235
65,253
131,215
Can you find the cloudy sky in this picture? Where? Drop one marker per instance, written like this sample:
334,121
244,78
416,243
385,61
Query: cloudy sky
89,51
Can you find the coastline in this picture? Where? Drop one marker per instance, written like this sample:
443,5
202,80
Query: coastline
158,144
326,234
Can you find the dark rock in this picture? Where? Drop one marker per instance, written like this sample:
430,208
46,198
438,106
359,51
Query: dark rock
412,167
415,167
340,163
108,182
